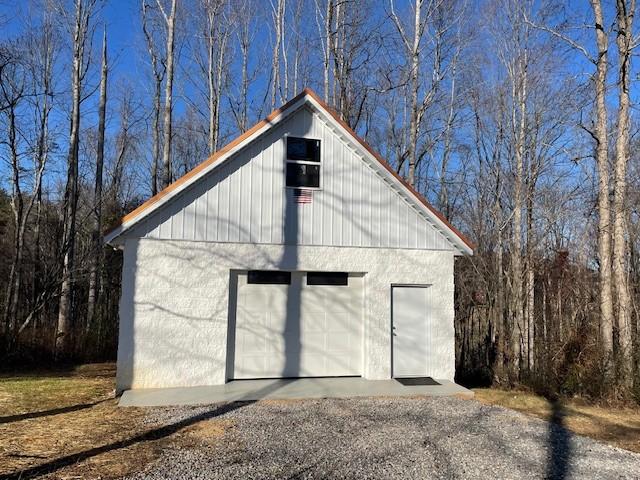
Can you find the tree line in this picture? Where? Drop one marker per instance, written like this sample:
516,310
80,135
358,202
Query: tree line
514,118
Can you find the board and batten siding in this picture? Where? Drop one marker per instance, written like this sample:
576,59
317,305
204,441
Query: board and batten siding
244,200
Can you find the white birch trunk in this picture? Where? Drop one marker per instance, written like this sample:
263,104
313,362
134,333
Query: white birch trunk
170,19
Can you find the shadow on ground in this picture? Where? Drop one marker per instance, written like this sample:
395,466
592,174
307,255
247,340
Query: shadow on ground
53,411
558,444
149,435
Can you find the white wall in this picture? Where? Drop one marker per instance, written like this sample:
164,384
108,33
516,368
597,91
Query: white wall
175,296
244,200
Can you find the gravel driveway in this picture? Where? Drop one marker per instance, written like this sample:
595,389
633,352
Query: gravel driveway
384,438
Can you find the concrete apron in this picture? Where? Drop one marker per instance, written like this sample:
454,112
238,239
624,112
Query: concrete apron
296,388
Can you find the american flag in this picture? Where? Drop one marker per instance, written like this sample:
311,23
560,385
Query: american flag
301,195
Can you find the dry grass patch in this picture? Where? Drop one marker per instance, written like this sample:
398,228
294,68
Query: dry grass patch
616,426
67,424
205,431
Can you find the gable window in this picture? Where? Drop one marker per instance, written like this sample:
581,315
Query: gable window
303,163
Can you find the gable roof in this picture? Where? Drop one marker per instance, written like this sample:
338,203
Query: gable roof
216,159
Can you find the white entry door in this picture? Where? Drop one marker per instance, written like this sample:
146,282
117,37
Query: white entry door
410,331
298,324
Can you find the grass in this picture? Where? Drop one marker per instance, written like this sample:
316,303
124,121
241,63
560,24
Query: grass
66,424
38,391
617,426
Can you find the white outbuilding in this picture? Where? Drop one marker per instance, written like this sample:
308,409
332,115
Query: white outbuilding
295,251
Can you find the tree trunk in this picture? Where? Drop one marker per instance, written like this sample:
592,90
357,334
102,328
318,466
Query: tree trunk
156,137
17,206
275,65
214,73
168,97
501,331
219,74
519,93
530,279
96,235
42,157
602,161
414,83
285,59
412,48
625,11
158,76
327,49
211,84
71,192
443,194
244,48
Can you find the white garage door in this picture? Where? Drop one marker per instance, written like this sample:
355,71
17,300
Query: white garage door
297,324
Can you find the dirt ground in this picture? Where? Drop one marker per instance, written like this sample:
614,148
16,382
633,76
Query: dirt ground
66,424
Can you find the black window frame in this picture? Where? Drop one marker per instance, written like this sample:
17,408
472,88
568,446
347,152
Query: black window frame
310,162
268,277
312,149
336,279
296,179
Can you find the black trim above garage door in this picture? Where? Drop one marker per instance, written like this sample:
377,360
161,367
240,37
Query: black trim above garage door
269,277
327,278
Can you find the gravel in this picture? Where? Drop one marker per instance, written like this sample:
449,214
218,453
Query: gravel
435,438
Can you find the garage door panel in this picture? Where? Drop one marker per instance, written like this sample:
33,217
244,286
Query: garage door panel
311,302
311,341
254,343
298,329
314,322
276,344
253,363
337,342
275,367
339,364
339,322
341,298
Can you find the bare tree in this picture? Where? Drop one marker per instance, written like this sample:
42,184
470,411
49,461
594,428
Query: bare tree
240,109
426,67
625,10
125,142
96,234
170,20
444,197
517,67
43,49
326,45
217,35
158,67
297,46
12,94
352,44
600,135
81,38
412,47
278,23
